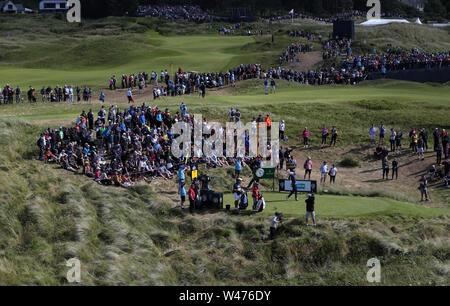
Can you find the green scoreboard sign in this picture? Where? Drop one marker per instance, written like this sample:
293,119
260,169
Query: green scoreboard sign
265,173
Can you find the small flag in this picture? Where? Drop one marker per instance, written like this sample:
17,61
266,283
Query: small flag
292,11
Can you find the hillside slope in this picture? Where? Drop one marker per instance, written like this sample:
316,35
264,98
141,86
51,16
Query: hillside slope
135,236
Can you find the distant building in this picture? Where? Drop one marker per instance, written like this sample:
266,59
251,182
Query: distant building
53,6
10,7
417,4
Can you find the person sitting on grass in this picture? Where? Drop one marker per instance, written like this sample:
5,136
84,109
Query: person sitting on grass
432,172
163,172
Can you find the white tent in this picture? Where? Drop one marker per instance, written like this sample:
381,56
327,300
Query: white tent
418,21
440,24
375,22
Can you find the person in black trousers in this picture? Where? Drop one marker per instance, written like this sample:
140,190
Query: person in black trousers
424,135
436,138
385,166
281,156
439,154
395,169
91,119
294,185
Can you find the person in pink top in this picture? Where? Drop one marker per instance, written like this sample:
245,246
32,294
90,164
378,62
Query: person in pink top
308,168
305,135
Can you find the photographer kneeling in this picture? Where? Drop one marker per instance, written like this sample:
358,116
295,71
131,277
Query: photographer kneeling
274,224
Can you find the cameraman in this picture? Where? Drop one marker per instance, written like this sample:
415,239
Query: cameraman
310,209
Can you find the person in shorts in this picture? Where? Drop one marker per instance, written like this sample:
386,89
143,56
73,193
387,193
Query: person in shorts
310,201
420,148
323,172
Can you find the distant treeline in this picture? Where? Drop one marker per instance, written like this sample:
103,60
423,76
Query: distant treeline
434,9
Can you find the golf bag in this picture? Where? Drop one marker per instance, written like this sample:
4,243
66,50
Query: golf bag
260,205
243,204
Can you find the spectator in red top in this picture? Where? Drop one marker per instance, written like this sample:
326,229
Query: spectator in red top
255,193
192,197
268,122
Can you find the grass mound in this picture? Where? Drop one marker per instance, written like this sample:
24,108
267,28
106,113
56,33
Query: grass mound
349,162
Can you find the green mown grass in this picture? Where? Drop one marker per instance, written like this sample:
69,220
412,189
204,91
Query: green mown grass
330,206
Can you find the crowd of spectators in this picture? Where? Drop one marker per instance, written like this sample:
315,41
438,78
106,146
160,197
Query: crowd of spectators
399,61
292,50
176,12
346,15
122,147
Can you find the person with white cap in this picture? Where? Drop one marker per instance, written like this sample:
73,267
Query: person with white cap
282,128
293,184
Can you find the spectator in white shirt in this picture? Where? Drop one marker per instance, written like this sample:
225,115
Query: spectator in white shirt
282,128
333,172
323,172
372,134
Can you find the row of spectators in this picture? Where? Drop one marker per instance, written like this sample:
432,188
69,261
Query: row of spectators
399,61
176,12
346,15
349,15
